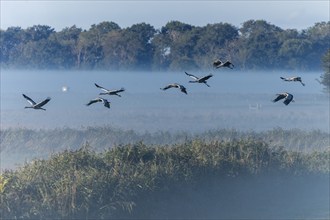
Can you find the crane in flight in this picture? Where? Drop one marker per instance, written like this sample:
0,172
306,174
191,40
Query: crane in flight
109,92
286,96
175,85
199,79
35,105
293,79
105,102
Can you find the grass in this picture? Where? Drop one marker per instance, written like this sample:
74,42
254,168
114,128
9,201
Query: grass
140,181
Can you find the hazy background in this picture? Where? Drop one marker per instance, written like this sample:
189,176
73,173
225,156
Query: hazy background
61,14
239,100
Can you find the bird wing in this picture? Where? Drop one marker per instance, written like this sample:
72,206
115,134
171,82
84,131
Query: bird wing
40,104
288,99
182,88
104,89
204,78
168,86
106,103
118,90
217,62
279,97
93,101
29,99
228,63
192,76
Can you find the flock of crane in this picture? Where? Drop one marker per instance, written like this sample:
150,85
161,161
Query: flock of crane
216,64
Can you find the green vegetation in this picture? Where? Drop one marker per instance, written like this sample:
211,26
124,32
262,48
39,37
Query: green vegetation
140,181
326,76
257,44
19,145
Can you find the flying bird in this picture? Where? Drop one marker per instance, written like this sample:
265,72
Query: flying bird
218,63
35,105
175,85
286,96
293,79
110,92
105,102
199,79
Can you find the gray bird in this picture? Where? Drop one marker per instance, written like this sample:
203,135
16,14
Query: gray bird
105,102
218,63
199,79
286,96
175,85
293,79
109,92
35,105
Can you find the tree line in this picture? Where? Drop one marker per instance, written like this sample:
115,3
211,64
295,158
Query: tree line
256,45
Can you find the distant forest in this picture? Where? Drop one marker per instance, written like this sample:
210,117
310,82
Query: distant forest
256,45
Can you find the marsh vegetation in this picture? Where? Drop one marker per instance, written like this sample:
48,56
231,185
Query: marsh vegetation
218,174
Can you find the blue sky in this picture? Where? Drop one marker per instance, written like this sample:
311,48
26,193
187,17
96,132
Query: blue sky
60,13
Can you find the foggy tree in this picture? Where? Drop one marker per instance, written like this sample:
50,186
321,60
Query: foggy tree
257,44
325,78
69,38
129,48
215,41
261,42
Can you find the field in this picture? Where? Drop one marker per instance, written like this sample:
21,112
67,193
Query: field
221,174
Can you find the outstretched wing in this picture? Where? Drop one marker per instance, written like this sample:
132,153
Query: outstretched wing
106,103
228,64
168,86
40,104
93,101
118,90
279,97
217,63
204,78
29,99
192,76
100,87
288,99
183,89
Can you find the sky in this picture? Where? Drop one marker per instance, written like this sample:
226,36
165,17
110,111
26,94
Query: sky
59,14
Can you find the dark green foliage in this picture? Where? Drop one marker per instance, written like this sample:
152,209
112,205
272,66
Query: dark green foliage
257,44
325,78
125,181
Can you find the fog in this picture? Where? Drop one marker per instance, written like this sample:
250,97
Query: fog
239,100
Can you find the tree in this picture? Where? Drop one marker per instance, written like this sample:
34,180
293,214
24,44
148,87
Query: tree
174,46
319,35
129,48
261,42
215,41
90,50
325,78
11,43
68,38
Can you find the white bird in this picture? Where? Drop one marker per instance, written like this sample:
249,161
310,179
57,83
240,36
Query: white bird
35,105
218,63
199,79
105,102
286,96
110,92
175,85
293,79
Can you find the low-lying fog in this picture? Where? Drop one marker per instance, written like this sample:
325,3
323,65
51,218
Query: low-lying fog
239,100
